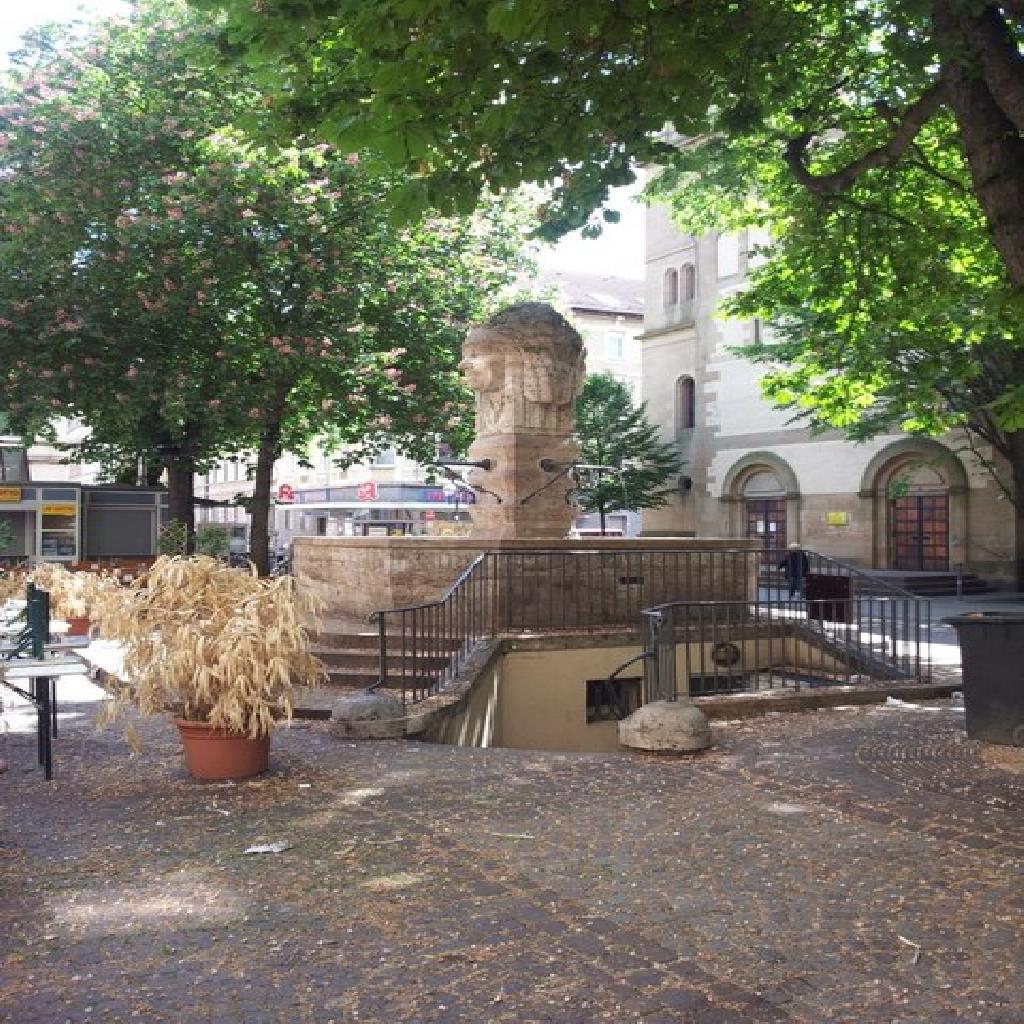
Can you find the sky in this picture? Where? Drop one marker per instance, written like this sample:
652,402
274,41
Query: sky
16,16
619,250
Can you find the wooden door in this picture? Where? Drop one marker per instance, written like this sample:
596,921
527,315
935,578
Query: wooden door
766,523
920,533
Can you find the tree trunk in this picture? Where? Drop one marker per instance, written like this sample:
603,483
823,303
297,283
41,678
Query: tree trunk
180,477
992,144
259,510
267,454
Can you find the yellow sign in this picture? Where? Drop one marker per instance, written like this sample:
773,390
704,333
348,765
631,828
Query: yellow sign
837,518
59,508
10,494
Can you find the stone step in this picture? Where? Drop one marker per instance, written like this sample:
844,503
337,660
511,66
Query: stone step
356,679
368,658
351,678
336,639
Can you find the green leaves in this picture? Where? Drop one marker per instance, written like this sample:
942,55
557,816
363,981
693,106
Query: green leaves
188,286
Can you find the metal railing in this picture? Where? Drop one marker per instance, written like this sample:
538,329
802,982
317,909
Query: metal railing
773,581
423,646
41,692
781,643
858,624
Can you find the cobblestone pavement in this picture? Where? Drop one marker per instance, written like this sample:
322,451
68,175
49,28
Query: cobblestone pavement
853,866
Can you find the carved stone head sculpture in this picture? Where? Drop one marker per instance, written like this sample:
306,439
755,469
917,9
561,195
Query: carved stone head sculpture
526,367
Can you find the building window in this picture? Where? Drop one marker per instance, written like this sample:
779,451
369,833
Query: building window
384,458
612,700
672,287
686,406
689,282
615,343
757,331
728,255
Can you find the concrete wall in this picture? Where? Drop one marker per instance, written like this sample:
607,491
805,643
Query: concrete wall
536,700
532,695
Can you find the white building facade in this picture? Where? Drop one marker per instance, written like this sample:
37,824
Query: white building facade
897,502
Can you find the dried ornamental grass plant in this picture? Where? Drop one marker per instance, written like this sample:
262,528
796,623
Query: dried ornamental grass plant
75,594
214,644
12,584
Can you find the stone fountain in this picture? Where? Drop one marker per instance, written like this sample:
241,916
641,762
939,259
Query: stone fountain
525,366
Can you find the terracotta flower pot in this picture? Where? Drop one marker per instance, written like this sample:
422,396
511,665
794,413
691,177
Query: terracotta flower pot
78,625
213,755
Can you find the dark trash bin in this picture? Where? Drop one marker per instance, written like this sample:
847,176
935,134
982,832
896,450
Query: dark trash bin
828,597
992,653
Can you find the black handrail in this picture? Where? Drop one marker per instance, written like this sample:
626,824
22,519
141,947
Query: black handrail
733,646
868,581
545,590
422,646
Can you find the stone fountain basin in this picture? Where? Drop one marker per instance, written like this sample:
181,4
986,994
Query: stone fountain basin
355,576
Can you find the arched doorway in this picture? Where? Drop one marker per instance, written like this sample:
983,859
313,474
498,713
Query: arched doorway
762,492
918,489
919,521
764,506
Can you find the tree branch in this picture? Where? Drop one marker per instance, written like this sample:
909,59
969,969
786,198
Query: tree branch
970,433
904,132
1001,62
928,167
874,211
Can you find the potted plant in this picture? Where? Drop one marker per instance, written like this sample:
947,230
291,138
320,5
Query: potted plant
74,596
221,650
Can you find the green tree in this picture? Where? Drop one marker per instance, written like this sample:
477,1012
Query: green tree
489,94
615,433
186,293
881,142
889,308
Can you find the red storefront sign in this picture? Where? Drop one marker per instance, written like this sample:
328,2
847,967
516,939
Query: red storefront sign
286,493
367,491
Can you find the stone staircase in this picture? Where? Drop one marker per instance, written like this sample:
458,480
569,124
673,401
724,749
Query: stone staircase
351,653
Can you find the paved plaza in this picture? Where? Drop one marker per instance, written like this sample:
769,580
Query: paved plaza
853,865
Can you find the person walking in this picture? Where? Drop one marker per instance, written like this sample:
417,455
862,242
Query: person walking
796,565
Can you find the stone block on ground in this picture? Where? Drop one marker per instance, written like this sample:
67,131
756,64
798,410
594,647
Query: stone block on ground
663,726
369,716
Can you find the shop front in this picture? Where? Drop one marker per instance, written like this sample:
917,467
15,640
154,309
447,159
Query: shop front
69,522
373,509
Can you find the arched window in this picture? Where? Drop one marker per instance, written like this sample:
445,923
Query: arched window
688,273
671,287
686,406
